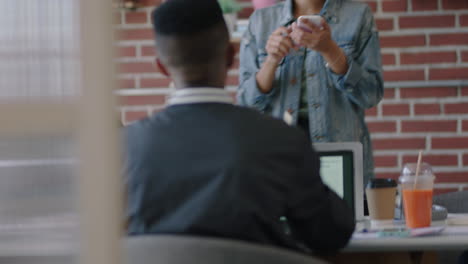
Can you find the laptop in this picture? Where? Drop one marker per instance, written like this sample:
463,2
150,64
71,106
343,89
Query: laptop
342,170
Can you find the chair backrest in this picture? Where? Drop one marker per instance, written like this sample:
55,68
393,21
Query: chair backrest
455,202
174,249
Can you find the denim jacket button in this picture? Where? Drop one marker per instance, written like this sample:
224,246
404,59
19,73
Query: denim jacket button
290,110
293,81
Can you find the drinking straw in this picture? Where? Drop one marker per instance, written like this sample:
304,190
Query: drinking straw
418,166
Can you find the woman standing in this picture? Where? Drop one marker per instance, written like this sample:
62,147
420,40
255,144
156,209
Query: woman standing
321,79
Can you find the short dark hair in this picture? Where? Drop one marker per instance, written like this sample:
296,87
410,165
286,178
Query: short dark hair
186,17
190,32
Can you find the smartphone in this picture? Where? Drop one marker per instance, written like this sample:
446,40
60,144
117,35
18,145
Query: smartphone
315,19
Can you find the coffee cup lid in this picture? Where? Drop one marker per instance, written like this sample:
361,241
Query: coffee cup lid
381,183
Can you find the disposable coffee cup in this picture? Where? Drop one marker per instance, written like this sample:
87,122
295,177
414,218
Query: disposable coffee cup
381,194
417,194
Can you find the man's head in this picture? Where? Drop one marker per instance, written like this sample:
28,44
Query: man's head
192,42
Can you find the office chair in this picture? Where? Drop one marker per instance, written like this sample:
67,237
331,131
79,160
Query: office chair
455,202
174,249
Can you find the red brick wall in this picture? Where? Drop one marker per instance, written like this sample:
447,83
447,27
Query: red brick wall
425,54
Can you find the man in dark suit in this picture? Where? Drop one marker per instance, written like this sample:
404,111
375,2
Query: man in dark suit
204,166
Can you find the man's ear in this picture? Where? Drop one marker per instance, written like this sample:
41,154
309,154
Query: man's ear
231,52
161,67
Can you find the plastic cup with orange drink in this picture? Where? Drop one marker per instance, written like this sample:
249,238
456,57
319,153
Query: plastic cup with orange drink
417,194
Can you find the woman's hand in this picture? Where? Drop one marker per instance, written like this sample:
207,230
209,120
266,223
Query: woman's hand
279,44
318,38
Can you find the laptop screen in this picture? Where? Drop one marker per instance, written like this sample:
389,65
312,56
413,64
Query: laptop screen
341,169
337,172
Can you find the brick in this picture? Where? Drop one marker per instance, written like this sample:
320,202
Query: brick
143,100
381,126
232,80
389,93
384,24
454,4
465,125
126,51
464,56
427,21
448,39
464,20
236,46
450,143
126,83
448,73
148,51
434,160
371,111
388,175
395,109
399,143
394,6
402,41
135,34
464,91
427,109
432,92
235,64
137,67
424,5
428,57
457,108
388,59
150,2
385,161
438,191
458,177
372,5
245,13
465,159
155,82
429,126
131,116
404,75
136,17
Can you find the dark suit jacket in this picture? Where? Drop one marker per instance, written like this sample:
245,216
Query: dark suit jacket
221,170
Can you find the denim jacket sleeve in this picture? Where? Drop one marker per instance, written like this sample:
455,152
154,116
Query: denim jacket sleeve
363,83
250,60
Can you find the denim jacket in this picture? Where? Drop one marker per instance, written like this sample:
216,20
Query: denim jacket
336,103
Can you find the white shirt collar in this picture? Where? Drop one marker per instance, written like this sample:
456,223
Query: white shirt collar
199,95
